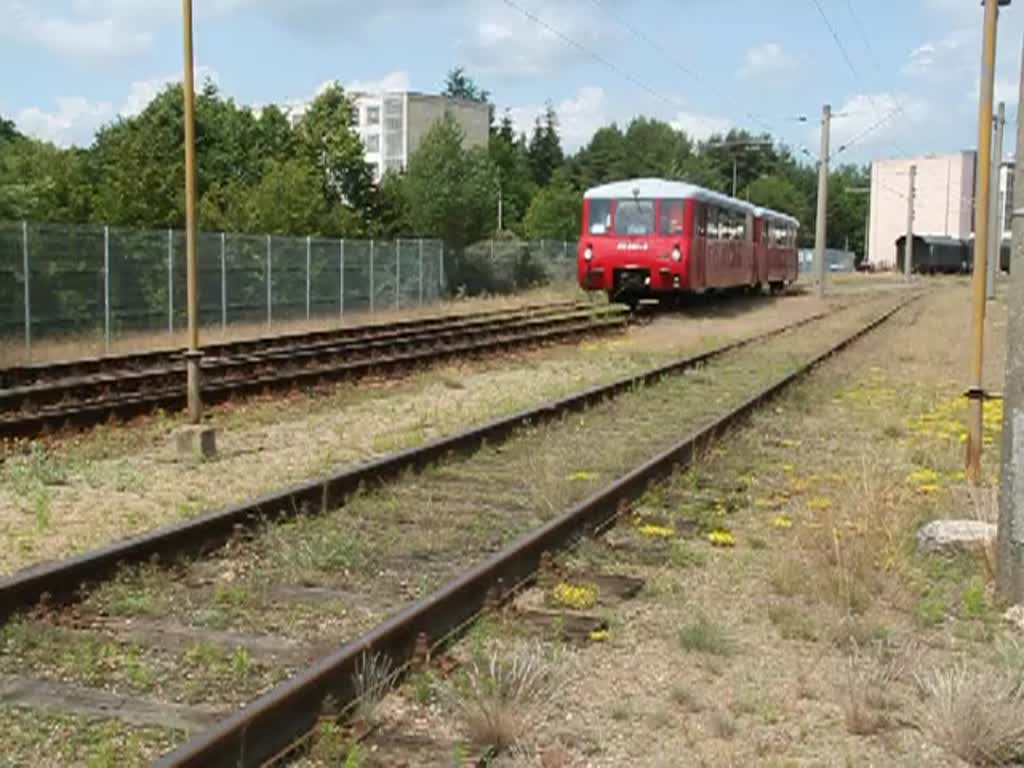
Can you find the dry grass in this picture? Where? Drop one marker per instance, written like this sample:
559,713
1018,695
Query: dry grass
977,715
373,680
869,704
502,693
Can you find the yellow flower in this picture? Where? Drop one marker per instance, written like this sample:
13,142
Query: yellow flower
820,502
798,485
783,521
788,468
928,488
722,538
658,531
923,476
787,443
576,596
583,475
599,635
958,475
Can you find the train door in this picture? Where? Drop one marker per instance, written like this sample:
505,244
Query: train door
698,245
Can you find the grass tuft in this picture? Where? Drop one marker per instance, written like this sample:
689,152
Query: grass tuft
705,636
500,696
976,715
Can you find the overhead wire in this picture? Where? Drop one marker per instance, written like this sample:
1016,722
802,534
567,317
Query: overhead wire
692,73
651,91
882,118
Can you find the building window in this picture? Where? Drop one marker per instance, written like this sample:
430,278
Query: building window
354,116
373,115
372,142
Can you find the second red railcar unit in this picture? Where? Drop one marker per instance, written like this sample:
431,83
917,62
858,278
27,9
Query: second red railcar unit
652,238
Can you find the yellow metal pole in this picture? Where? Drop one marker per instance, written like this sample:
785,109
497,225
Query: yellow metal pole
976,393
194,355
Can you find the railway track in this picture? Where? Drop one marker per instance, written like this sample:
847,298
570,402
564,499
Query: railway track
179,647
84,393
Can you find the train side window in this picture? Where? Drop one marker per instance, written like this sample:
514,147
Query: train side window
600,217
671,217
713,232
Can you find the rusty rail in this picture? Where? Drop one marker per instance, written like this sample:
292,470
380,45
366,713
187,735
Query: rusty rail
277,719
63,581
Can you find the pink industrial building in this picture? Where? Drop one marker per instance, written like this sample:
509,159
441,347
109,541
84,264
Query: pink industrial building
943,203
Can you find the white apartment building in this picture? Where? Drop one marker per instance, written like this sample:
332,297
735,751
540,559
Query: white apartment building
943,201
393,124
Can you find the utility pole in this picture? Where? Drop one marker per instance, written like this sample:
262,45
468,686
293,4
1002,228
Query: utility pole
820,225
734,175
908,248
976,393
194,355
1010,538
995,224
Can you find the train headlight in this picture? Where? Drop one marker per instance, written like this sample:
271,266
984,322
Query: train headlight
677,255
588,254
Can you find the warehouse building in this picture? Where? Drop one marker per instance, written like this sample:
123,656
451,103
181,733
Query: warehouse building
943,202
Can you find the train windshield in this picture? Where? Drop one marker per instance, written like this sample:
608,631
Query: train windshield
634,217
600,217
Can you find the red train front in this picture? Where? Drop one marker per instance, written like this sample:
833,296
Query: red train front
652,238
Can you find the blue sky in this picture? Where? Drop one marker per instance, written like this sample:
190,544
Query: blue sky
72,65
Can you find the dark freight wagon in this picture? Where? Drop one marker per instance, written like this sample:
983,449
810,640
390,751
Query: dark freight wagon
935,254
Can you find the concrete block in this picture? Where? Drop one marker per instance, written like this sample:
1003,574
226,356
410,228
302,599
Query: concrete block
196,441
955,536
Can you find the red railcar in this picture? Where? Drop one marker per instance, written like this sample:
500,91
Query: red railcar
652,238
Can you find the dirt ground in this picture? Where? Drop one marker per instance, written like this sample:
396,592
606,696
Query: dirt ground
70,495
787,618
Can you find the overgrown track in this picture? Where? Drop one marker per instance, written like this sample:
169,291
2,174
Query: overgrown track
213,633
125,387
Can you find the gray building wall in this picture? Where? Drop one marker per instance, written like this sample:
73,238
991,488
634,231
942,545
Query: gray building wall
423,111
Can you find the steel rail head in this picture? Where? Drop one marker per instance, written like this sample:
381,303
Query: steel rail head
65,580
35,371
268,725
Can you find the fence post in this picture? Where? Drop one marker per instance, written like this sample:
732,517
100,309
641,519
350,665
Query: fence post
440,271
341,280
421,270
170,280
371,277
308,267
270,312
28,294
106,286
565,250
398,274
223,281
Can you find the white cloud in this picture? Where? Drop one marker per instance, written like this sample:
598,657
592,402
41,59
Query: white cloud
590,108
81,35
579,115
392,81
768,61
875,118
141,92
939,59
500,40
74,121
700,126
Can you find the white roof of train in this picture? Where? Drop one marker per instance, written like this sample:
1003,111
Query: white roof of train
679,190
662,188
763,212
